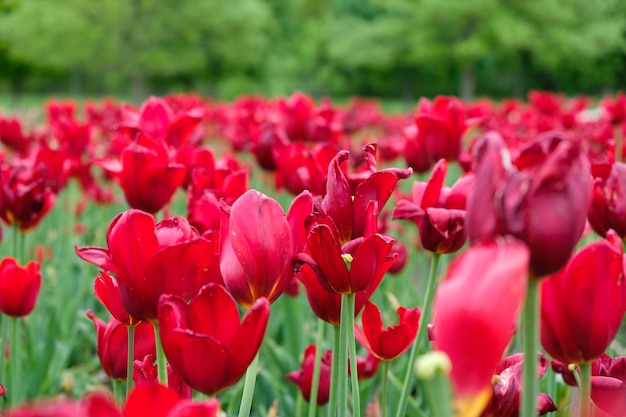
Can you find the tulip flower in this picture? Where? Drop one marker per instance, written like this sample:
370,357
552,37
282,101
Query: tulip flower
582,306
108,293
387,344
25,194
156,400
145,173
347,204
112,342
146,372
472,332
211,355
542,199
303,377
437,211
608,204
507,388
438,132
608,385
368,259
150,259
19,287
258,251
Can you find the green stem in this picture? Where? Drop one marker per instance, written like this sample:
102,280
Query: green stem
354,375
160,353
317,366
584,399
15,360
530,319
131,359
248,388
342,353
421,333
16,243
117,390
383,395
334,373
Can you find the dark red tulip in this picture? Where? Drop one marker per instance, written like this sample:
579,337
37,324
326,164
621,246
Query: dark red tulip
440,126
325,304
437,211
112,341
472,332
25,194
347,203
257,255
146,174
145,372
368,259
303,377
19,287
582,306
608,203
507,389
387,343
211,355
541,199
150,259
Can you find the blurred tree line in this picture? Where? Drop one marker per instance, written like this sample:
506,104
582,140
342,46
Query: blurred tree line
386,48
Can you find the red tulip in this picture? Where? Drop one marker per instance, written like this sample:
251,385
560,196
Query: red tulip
438,212
25,194
608,204
145,372
542,200
146,174
440,127
582,306
19,287
507,389
347,203
150,259
608,385
258,252
472,332
303,377
108,293
112,341
387,344
211,355
156,400
369,259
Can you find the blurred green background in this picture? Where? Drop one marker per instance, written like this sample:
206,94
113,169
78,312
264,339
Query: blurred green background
391,49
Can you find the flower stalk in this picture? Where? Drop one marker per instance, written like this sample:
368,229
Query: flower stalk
530,317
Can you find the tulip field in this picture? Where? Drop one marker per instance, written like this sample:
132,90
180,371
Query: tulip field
287,257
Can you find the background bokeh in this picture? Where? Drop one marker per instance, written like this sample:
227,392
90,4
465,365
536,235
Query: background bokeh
392,49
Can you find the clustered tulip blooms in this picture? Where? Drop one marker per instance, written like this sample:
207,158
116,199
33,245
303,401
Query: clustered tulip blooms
200,284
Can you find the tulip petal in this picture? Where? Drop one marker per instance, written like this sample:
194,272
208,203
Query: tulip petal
201,315
326,252
150,400
370,262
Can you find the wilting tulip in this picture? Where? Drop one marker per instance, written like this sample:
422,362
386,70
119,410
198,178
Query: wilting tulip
473,332
211,355
347,204
112,341
582,306
146,175
542,199
150,259
258,252
387,344
19,287
608,203
507,388
438,212
303,377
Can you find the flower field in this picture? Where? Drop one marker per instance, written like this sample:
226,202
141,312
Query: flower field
286,257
